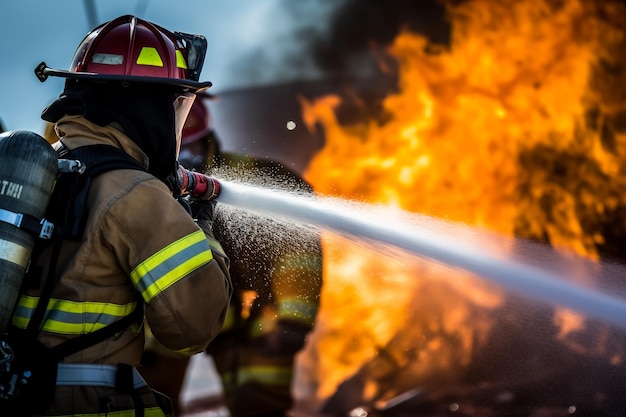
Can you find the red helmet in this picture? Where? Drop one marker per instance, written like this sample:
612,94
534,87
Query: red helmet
198,123
129,49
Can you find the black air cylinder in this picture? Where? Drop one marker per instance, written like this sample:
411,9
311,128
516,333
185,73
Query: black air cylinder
28,168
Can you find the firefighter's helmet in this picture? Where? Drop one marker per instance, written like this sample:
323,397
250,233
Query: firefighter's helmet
129,49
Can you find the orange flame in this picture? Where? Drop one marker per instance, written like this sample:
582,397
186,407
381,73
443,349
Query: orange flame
513,128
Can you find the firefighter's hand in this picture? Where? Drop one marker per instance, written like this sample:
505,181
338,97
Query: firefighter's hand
203,211
286,339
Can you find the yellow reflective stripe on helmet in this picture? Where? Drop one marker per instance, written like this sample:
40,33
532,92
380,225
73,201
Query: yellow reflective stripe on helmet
180,60
267,375
148,412
14,253
149,56
298,310
71,317
171,264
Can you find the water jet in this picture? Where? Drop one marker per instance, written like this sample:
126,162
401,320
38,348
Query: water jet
356,220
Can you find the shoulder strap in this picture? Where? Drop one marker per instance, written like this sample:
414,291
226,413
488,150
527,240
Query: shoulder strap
102,158
97,160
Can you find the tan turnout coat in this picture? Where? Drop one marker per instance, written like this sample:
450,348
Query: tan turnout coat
139,246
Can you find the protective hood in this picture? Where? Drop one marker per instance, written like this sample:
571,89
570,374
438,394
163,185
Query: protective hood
145,113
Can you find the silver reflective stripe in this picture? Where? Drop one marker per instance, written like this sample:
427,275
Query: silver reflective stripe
14,253
93,375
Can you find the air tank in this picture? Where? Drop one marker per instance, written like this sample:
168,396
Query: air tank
28,168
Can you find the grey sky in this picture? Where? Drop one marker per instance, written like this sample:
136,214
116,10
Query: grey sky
248,40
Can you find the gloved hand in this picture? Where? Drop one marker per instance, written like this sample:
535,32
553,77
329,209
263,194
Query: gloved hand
286,339
203,211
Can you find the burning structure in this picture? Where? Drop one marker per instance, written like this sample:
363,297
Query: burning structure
517,125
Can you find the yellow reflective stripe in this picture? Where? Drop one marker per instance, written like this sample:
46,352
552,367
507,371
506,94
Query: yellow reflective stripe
28,301
148,412
268,375
55,326
216,246
71,317
180,60
149,56
229,321
20,322
186,351
14,253
170,264
298,310
256,328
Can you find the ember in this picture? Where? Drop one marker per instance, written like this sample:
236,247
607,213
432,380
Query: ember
517,127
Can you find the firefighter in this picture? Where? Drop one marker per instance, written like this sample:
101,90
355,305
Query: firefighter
276,272
142,256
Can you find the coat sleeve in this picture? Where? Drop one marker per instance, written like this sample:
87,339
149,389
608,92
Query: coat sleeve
184,284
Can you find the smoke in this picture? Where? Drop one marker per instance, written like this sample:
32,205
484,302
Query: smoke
323,39
357,27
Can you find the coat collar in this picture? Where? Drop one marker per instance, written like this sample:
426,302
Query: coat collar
76,131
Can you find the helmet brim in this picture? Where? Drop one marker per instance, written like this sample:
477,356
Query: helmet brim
43,72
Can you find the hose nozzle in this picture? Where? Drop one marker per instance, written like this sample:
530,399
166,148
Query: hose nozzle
197,185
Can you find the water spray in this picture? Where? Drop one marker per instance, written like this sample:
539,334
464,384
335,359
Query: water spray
521,278
325,213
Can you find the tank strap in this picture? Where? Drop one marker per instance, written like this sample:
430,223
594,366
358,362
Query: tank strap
38,315
38,228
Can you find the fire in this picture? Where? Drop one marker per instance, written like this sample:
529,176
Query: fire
513,128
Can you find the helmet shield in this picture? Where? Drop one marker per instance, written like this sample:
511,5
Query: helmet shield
182,106
199,122
196,47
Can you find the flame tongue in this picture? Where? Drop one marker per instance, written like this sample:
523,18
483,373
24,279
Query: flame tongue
514,128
